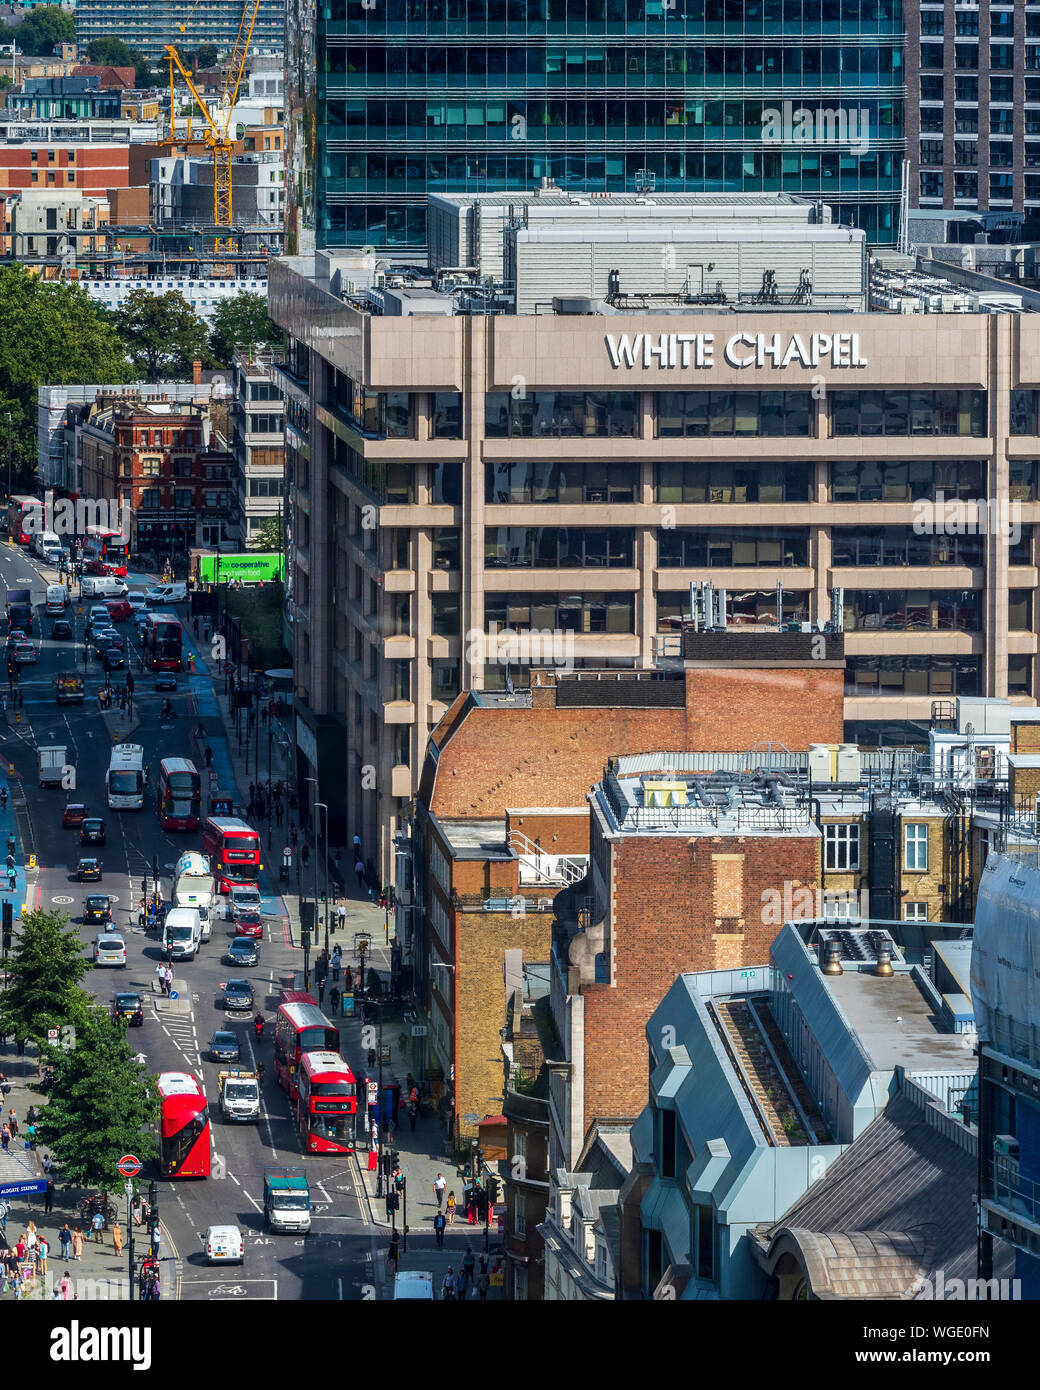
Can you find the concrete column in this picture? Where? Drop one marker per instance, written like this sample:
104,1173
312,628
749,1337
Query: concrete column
1003,358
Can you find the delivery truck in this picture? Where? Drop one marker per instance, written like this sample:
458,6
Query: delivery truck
51,765
287,1199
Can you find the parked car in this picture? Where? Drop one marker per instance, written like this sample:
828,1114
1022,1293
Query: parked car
92,831
97,908
75,813
128,1008
88,870
243,951
223,1047
238,994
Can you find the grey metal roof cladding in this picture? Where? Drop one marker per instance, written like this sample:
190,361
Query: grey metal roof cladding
901,1173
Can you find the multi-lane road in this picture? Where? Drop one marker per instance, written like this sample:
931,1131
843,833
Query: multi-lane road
338,1258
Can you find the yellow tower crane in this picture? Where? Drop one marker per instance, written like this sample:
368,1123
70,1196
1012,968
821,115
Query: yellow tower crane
217,136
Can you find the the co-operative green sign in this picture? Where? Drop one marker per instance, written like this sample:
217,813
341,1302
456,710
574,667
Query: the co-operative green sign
222,569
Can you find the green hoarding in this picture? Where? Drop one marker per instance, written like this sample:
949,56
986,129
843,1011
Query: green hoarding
221,569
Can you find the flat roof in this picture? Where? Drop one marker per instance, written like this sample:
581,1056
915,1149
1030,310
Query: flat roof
895,1024
476,835
956,956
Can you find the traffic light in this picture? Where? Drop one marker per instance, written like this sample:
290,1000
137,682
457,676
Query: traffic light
494,1192
8,921
397,1199
155,870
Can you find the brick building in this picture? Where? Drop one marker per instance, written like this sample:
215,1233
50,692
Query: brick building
161,458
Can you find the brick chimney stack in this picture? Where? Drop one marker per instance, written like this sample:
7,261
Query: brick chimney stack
196,371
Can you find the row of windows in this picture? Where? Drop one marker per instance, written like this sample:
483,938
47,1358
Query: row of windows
839,174
913,610
841,848
692,549
909,413
585,612
556,547
614,16
966,56
583,480
518,121
746,65
367,222
966,22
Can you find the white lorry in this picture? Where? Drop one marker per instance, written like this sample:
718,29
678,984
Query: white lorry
193,886
51,763
239,1095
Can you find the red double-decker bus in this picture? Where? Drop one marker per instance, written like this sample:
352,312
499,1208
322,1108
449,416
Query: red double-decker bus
183,1126
233,850
19,510
326,1103
163,642
299,1027
108,547
179,795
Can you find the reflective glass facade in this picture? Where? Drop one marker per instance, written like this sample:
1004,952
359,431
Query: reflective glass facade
470,96
149,27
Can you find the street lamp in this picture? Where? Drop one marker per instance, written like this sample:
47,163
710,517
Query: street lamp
326,872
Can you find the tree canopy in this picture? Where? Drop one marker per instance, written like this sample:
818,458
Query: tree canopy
268,535
43,28
44,972
241,318
162,334
102,1104
50,334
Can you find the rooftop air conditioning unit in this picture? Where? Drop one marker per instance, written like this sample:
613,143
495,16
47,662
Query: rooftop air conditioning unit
1005,1144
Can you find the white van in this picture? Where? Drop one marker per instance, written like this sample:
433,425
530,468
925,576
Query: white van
44,541
413,1283
166,593
224,1243
102,586
182,933
57,597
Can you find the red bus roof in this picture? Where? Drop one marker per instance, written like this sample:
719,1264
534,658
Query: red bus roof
304,1016
230,825
298,996
172,765
324,1064
167,620
182,1099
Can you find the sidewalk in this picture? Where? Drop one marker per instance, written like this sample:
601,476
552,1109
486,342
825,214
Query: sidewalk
100,1274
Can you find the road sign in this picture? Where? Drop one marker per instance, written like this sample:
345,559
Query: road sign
373,1092
52,1035
129,1165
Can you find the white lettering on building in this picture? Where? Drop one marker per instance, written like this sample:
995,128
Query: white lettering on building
671,350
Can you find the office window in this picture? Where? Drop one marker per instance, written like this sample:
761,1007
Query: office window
666,1155
705,1216
519,1214
841,846
915,848
915,912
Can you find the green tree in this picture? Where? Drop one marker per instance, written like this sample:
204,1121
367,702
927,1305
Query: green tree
44,972
206,57
162,333
268,535
112,52
50,334
44,27
241,318
102,1104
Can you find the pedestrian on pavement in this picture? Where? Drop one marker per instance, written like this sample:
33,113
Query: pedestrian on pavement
277,813
357,846
43,1249
250,808
154,1287
348,980
438,1228
334,997
448,1287
413,1115
337,963
65,1240
97,1223
469,1267
439,1184
195,627
209,755
191,662
483,1284
66,1285
341,915
48,1196
77,1243
359,869
450,1204
5,1139
393,1254
117,1237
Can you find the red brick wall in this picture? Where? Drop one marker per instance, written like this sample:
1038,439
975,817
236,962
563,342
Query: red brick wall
95,169
551,757
679,905
554,831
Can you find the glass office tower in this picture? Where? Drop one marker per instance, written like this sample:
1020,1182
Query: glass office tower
420,96
150,26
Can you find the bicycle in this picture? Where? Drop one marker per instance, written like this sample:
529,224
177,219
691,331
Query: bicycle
86,1208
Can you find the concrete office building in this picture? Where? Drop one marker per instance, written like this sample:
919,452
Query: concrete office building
973,106
257,445
395,102
149,28
464,487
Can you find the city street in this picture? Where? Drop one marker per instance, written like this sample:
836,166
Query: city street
338,1259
